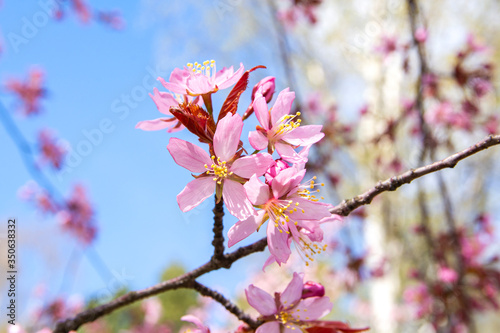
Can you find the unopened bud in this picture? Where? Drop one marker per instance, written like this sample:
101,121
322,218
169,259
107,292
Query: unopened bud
312,289
265,87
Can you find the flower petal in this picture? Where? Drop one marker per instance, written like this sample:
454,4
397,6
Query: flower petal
288,153
163,101
270,327
194,320
258,140
195,192
312,210
251,165
243,229
277,243
155,124
304,135
293,292
227,136
285,181
177,81
188,155
199,84
260,300
226,78
235,198
261,111
282,106
315,307
257,192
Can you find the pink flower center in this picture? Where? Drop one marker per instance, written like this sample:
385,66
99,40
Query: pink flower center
288,124
218,170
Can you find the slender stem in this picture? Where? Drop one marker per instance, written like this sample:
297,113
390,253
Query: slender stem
218,229
207,100
391,184
231,307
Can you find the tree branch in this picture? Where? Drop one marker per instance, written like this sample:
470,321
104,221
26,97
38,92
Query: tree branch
218,241
184,280
391,184
205,291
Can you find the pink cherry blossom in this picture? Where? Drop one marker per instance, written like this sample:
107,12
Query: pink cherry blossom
447,274
223,172
312,289
279,129
199,79
293,211
200,327
51,151
420,297
286,311
29,92
265,87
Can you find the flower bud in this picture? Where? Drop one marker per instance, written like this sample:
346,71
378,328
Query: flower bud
274,170
312,289
265,87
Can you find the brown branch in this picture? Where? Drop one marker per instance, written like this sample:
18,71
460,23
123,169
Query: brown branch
218,241
184,280
391,184
205,291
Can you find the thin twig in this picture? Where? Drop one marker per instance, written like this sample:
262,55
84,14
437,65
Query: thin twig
205,291
391,184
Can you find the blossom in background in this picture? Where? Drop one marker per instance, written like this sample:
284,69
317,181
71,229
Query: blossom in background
77,216
51,151
29,92
200,79
200,328
279,129
420,297
43,201
294,213
447,275
223,172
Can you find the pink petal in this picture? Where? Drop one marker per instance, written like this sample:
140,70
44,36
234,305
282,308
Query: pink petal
177,81
243,229
227,136
257,192
260,300
277,243
188,155
270,327
293,292
312,210
251,165
235,198
258,140
163,101
197,322
286,180
261,111
155,124
316,307
288,153
304,135
199,84
282,106
224,80
195,193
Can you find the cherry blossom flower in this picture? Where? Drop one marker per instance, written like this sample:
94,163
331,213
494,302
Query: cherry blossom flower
223,172
200,327
78,216
29,92
447,274
50,150
286,311
164,101
199,79
420,297
266,87
31,191
294,214
279,129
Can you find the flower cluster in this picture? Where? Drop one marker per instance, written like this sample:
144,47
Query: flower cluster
29,92
254,187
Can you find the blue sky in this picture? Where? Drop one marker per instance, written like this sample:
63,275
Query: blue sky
94,75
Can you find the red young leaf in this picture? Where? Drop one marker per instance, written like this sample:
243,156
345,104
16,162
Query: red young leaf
231,102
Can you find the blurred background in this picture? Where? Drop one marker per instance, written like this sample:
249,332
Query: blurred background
396,85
